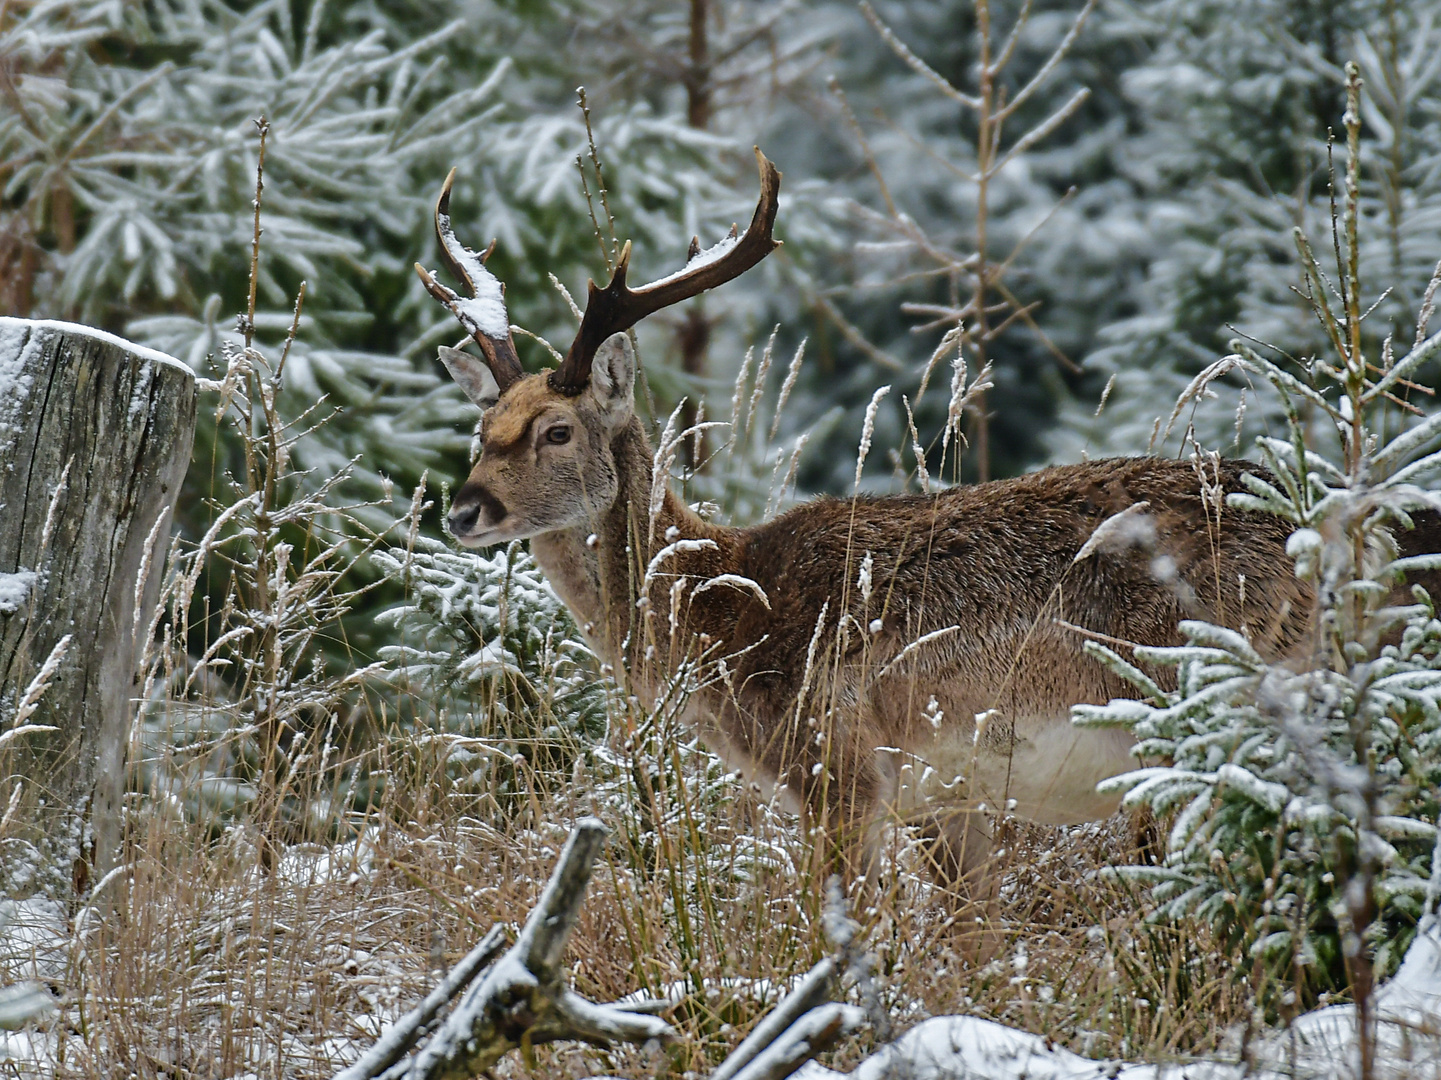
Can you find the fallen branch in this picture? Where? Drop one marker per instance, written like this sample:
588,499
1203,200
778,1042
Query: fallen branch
816,1030
779,1028
519,1000
401,1035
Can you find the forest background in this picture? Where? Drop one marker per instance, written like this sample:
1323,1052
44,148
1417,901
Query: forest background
1152,222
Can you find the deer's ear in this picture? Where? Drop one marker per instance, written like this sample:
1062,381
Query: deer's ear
612,380
472,375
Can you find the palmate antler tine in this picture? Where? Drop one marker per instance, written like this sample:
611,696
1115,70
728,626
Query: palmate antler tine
484,314
618,307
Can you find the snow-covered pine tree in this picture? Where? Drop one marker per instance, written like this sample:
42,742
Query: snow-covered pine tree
487,646
1223,154
1301,793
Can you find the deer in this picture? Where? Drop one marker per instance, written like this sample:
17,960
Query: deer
908,657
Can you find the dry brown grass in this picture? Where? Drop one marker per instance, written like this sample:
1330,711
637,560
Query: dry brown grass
205,965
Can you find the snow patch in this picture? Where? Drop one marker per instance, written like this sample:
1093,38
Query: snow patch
712,254
486,309
9,327
305,865
34,940
30,1053
140,394
730,988
14,588
15,381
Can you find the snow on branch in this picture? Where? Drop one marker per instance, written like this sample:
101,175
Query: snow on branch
788,1028
520,997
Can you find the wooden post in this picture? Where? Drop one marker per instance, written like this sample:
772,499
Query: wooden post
95,437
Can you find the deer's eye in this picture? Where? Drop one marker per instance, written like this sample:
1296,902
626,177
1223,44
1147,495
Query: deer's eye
558,435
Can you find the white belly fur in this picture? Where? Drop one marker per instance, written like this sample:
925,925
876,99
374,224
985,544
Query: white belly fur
1051,773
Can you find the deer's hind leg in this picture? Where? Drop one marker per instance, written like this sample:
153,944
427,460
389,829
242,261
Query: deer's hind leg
959,853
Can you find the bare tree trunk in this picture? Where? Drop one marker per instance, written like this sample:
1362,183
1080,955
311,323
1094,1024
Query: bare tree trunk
693,334
694,337
95,437
699,91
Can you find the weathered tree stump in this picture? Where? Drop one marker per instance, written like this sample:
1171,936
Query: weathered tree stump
95,437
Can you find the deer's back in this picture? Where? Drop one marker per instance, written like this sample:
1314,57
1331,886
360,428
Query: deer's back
993,558
990,571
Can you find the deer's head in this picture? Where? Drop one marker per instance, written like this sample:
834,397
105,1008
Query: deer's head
546,459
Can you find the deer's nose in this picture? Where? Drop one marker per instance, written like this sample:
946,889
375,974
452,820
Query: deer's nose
475,509
463,518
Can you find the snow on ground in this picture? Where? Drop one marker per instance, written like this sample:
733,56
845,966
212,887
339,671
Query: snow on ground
316,864
34,941
36,944
34,953
1320,1044
28,1052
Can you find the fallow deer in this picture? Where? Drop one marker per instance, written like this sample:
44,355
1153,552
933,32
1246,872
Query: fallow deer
938,678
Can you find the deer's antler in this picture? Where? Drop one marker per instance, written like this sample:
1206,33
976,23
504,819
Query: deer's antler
483,315
618,307
609,310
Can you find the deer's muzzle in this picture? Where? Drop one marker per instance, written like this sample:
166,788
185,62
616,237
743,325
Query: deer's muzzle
474,513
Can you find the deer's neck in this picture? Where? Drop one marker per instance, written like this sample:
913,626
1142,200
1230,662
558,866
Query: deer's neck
603,579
